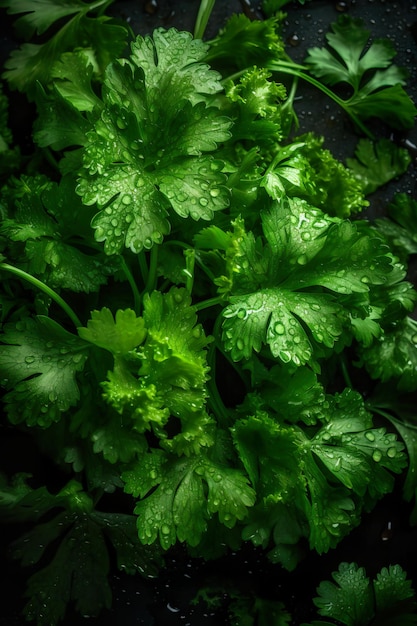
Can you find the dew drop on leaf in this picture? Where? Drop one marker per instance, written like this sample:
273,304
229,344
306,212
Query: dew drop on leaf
377,456
370,435
392,452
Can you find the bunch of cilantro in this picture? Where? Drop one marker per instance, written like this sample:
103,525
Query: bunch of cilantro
188,290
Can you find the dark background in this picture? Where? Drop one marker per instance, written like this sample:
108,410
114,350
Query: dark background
165,601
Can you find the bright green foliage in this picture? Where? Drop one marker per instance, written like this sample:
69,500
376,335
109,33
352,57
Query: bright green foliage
234,45
33,62
377,163
394,356
119,335
188,492
38,365
379,92
308,170
188,313
160,368
296,496
146,154
273,285
356,601
258,103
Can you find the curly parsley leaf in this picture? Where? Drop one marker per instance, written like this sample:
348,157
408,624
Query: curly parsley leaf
243,43
39,363
352,599
376,83
147,152
306,169
178,496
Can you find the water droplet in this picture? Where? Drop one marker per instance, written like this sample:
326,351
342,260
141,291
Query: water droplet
392,452
30,359
279,328
214,192
285,356
172,608
240,344
370,435
302,259
377,456
165,529
242,314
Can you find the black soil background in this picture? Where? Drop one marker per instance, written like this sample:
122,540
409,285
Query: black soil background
385,535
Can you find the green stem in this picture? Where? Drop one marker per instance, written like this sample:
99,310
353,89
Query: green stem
345,372
152,273
143,266
203,16
294,69
42,287
205,304
132,283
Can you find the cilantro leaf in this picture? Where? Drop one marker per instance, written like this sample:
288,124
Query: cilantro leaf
400,229
40,15
356,601
351,601
32,63
119,335
77,572
137,168
178,496
281,463
394,356
39,362
376,163
375,82
303,250
51,238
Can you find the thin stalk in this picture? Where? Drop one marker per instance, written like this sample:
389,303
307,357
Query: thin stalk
42,287
143,266
298,70
152,273
203,16
345,373
205,304
129,276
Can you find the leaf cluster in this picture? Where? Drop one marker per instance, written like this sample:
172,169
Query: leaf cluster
188,299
